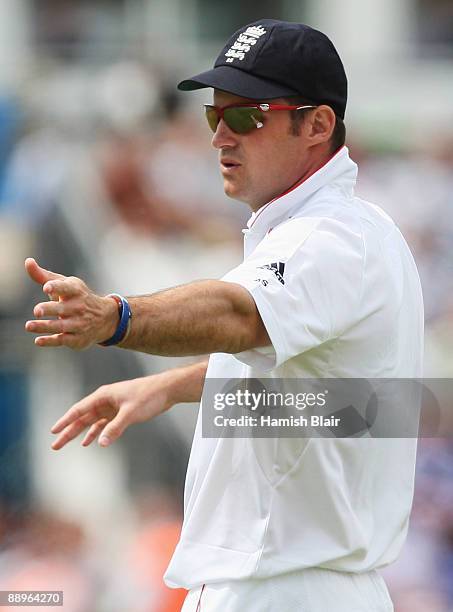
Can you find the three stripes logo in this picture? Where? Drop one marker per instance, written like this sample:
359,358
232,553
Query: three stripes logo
278,268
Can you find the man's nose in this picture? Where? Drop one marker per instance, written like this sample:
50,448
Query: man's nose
223,136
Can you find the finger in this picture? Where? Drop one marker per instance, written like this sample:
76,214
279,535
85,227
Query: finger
72,415
50,309
62,288
69,433
87,410
94,431
54,326
60,309
69,327
38,274
70,340
49,341
114,429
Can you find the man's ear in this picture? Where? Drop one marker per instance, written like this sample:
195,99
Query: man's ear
321,125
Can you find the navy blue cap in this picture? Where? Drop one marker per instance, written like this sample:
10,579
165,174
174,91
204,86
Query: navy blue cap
271,59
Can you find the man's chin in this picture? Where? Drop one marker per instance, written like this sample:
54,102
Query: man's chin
232,191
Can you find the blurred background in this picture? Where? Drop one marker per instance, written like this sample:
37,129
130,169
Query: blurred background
107,173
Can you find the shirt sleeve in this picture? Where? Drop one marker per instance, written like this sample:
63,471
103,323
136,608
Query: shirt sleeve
305,278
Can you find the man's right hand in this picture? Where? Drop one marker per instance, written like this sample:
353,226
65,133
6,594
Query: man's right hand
110,410
75,316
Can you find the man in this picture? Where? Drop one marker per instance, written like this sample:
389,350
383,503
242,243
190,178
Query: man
328,288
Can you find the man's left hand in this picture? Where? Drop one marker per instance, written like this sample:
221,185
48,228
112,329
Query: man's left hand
75,316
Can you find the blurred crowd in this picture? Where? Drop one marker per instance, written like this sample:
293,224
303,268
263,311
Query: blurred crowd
42,551
110,176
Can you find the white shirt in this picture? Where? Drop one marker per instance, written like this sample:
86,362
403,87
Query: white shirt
350,306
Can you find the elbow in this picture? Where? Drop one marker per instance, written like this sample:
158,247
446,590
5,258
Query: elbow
250,334
244,323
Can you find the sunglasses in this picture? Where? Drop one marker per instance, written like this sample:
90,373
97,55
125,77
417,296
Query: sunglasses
243,118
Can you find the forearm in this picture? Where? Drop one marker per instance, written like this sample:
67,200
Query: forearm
195,319
185,384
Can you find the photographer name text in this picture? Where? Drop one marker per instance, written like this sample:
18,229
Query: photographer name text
268,421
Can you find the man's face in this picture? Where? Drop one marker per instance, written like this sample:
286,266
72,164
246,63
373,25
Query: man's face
262,164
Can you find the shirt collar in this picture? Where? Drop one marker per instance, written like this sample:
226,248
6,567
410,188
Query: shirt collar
339,170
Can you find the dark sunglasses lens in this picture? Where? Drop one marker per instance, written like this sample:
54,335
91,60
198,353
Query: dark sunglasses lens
243,119
212,117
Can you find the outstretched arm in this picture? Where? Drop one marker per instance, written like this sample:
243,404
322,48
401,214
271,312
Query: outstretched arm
195,319
112,408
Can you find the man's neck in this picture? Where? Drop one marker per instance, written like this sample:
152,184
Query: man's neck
315,163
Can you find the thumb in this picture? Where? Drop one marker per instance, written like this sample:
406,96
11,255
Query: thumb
38,274
113,430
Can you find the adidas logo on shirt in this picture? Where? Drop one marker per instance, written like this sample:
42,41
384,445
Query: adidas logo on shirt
277,268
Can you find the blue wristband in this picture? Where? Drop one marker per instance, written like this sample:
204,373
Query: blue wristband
125,317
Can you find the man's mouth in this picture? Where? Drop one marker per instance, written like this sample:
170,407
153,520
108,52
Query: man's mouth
228,164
